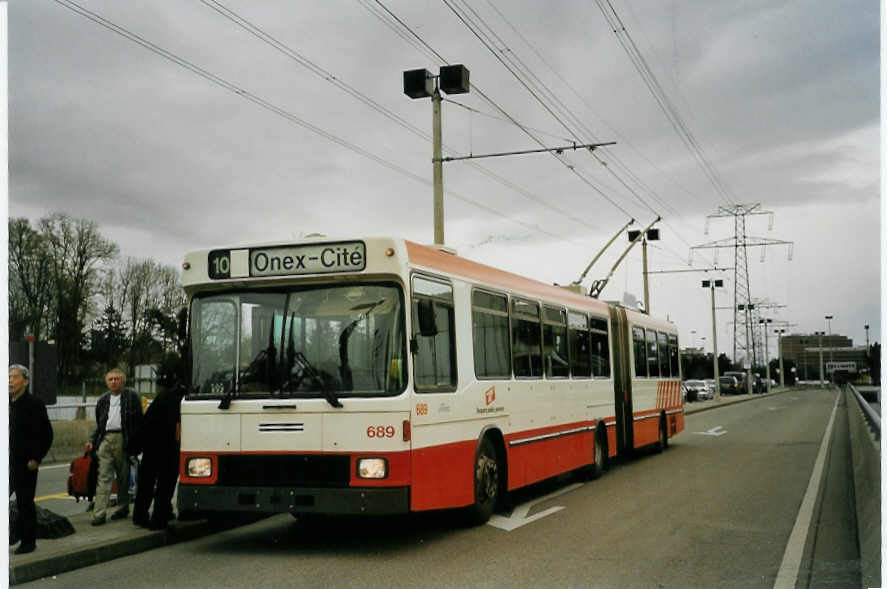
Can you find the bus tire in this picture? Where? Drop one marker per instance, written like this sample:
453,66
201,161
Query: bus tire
487,485
600,456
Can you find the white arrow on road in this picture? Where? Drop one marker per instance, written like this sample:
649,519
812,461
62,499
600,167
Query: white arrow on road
519,516
717,430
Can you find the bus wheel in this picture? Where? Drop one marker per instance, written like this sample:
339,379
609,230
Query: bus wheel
600,457
486,482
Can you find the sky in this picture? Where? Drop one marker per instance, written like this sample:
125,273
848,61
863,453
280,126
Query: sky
289,118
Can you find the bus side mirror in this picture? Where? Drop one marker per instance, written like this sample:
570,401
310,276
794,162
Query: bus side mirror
427,323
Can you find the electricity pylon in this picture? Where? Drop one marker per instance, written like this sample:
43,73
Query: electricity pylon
743,321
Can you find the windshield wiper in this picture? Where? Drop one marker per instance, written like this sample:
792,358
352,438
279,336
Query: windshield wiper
307,370
345,369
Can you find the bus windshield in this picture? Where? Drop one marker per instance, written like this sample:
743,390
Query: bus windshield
299,342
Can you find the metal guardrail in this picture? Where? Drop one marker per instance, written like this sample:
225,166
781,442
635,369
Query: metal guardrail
870,414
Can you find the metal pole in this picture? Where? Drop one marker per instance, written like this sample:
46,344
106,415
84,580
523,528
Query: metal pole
767,354
821,375
748,356
31,360
830,347
781,367
437,165
714,343
646,287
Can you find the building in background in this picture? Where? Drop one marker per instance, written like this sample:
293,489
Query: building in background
838,350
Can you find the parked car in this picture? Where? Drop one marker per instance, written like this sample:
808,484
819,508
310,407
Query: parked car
710,387
694,388
730,386
741,381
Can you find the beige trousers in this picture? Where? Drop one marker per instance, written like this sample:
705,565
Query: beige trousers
113,463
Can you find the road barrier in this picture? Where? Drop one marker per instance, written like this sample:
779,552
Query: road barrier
865,431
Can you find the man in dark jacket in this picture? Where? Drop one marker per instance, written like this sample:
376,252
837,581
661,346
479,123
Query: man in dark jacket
160,460
118,417
30,436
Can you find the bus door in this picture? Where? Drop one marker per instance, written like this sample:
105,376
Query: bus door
622,380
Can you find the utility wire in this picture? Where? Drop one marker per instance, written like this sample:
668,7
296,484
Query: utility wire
218,81
507,51
490,101
350,90
662,100
513,64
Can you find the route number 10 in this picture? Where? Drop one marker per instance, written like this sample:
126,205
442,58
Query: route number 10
219,264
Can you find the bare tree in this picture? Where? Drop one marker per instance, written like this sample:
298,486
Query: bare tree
31,291
77,252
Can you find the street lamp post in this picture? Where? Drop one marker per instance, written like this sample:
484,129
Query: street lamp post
749,344
764,322
821,375
828,319
421,83
652,235
781,367
712,284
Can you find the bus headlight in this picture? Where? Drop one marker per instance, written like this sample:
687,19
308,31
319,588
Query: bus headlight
199,467
372,468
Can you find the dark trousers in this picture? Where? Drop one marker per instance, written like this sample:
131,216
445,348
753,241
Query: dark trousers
157,480
24,483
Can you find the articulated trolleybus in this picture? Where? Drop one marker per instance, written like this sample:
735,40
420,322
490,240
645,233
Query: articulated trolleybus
380,376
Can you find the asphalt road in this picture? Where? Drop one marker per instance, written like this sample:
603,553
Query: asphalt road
52,491
715,510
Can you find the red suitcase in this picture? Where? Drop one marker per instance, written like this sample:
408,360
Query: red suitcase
82,480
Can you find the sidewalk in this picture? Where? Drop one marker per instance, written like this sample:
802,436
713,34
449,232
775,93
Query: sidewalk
91,545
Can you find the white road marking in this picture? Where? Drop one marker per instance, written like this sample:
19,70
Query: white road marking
787,576
717,430
519,517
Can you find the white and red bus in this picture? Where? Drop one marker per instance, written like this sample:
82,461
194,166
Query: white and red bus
380,376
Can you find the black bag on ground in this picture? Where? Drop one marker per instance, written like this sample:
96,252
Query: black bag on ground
49,524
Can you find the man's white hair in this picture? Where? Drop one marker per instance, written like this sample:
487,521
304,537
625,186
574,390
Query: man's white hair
23,370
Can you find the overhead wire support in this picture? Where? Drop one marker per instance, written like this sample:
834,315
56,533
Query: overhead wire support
557,150
715,269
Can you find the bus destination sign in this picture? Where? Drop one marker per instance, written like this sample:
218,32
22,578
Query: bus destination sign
307,259
288,260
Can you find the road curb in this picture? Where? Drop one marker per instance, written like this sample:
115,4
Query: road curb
732,401
23,569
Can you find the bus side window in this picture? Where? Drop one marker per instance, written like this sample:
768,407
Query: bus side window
526,336
554,343
600,348
492,347
652,354
435,355
580,345
640,351
673,356
662,341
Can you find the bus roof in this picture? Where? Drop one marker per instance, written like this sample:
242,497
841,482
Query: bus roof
377,255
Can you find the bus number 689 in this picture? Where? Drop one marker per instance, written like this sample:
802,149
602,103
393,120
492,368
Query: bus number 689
380,431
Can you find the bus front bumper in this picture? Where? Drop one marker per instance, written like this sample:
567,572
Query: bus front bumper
195,499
